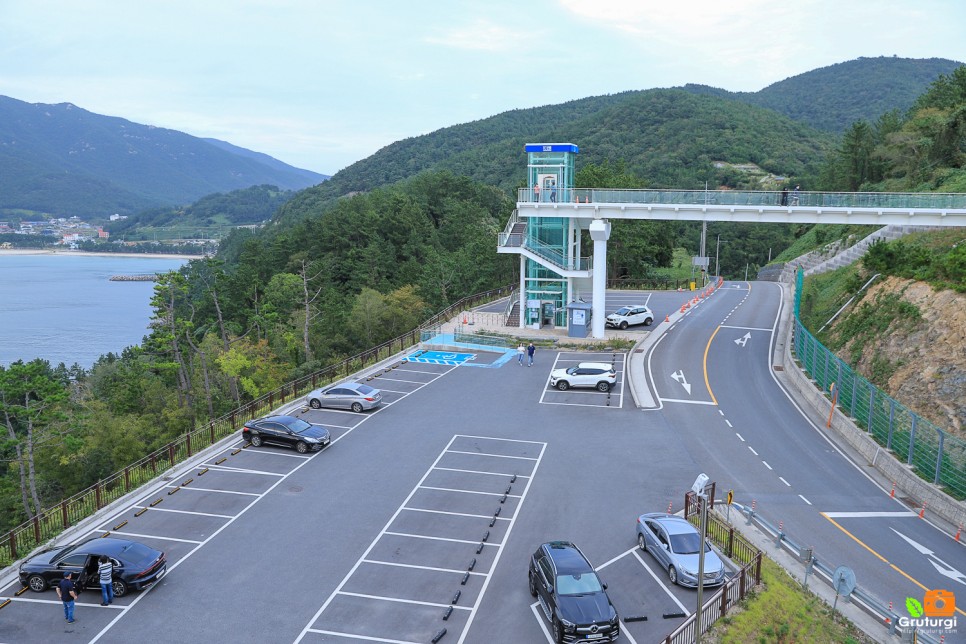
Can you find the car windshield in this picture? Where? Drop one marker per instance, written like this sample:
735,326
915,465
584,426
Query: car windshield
137,552
297,425
365,390
624,310
578,584
686,544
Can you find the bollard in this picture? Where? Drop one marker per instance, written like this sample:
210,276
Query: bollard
781,534
669,507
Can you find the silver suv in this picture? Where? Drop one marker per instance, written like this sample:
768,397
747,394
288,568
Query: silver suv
599,375
630,315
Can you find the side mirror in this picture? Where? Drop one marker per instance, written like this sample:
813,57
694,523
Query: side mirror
665,546
603,585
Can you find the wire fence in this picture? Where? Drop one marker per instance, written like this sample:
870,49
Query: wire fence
932,453
72,510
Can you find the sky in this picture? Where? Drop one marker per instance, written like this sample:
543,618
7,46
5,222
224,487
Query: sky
320,84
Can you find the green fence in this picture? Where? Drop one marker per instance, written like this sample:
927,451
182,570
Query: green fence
71,511
932,453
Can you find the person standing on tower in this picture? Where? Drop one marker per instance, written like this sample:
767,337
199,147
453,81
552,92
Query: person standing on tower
553,191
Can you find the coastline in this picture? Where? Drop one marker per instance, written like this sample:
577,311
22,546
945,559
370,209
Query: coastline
79,253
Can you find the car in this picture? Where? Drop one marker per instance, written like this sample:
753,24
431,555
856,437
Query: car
287,431
572,596
348,395
136,566
675,544
627,316
598,375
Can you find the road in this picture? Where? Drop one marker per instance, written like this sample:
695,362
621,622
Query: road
422,514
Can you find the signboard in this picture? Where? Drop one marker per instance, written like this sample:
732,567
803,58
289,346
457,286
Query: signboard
580,317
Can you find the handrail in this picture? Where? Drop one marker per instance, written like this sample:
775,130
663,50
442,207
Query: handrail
70,511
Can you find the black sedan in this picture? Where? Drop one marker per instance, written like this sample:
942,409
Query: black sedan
287,431
136,565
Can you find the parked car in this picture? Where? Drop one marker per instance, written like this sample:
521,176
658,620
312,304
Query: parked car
627,316
136,565
676,545
572,597
349,395
598,375
287,431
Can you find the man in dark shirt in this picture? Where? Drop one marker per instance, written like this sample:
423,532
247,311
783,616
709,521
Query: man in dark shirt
67,594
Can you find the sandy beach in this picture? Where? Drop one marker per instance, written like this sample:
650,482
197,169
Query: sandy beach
48,251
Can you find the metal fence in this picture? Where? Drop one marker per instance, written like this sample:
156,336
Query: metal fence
933,454
735,547
70,511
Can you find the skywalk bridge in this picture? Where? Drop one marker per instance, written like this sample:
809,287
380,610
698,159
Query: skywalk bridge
571,211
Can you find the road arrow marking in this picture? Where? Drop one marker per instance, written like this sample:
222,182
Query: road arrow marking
941,566
679,376
743,340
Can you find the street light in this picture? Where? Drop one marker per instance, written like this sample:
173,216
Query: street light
717,248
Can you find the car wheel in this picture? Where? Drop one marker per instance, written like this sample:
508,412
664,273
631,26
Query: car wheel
672,574
641,543
532,584
255,440
301,447
603,386
563,385
315,403
357,407
557,632
648,321
37,583
120,588
624,325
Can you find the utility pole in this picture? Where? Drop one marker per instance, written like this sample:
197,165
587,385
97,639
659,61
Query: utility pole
717,248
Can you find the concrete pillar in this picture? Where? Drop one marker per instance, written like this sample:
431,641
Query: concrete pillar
600,233
523,290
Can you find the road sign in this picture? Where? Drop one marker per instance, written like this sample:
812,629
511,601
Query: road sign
731,496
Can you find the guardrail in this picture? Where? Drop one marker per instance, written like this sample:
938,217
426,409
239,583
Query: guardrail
813,564
70,511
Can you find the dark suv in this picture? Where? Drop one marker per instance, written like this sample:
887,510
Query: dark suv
571,595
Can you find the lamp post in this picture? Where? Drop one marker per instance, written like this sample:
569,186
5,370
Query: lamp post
699,492
717,248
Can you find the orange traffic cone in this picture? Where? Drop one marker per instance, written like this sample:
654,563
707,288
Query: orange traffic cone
667,318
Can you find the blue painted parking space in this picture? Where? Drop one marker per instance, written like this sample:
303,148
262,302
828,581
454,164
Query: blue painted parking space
441,357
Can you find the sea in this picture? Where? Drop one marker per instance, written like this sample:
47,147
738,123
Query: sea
63,307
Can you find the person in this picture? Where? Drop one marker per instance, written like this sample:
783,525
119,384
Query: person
530,350
105,572
521,350
67,594
536,192
795,196
553,191
784,200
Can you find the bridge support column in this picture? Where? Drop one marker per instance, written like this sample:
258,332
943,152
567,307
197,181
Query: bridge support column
600,232
523,291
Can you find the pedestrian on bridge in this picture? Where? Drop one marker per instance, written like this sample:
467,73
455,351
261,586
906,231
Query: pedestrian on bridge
795,196
784,199
536,192
553,191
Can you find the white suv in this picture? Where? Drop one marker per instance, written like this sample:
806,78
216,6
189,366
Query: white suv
630,315
598,375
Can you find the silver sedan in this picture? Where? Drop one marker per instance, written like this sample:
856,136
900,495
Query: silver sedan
348,395
676,545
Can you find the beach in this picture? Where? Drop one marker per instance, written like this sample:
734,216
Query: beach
82,253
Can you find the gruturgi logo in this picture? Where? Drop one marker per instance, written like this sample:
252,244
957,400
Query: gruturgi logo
936,613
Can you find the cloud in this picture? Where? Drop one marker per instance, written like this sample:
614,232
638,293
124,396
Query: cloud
481,35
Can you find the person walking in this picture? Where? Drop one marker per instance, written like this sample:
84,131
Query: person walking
67,594
795,196
536,192
530,351
105,573
784,199
521,350
553,191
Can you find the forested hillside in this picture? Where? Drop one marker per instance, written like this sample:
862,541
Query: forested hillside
63,160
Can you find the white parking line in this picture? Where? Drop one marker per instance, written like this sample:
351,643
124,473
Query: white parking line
523,458
433,568
454,469
449,489
661,583
242,470
457,514
447,539
403,601
200,514
151,536
361,637
195,488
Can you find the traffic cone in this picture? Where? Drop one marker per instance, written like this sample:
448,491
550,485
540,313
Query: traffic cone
667,318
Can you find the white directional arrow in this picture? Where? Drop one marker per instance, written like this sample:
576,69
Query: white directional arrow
941,566
743,340
679,376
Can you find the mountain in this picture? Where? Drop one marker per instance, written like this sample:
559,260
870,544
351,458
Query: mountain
833,98
64,160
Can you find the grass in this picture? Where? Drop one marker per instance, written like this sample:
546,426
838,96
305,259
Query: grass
780,610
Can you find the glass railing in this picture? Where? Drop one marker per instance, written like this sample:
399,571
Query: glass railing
876,200
556,257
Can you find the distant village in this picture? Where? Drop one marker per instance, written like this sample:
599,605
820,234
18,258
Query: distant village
73,232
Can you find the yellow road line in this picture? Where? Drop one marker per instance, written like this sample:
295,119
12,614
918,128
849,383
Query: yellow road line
707,383
883,559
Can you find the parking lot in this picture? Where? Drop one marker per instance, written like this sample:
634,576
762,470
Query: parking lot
441,494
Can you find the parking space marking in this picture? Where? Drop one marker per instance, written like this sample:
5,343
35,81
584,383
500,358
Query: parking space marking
447,489
432,568
454,469
242,470
386,531
266,452
152,536
667,590
364,637
207,489
200,514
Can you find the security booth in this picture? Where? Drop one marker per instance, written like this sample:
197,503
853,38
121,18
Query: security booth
579,315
